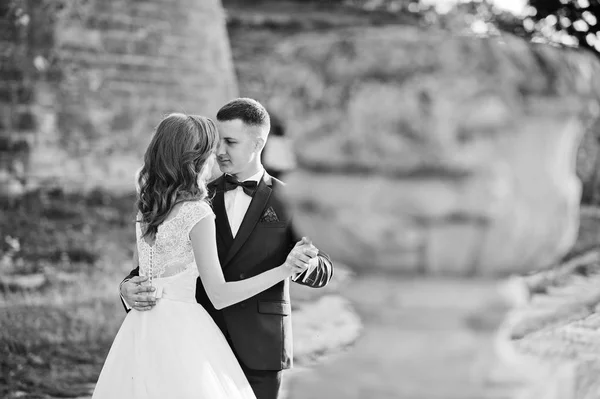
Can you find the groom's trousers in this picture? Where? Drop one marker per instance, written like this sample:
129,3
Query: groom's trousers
264,383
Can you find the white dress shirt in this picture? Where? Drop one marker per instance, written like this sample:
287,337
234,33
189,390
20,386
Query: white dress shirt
237,203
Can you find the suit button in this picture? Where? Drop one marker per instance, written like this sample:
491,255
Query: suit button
242,275
243,305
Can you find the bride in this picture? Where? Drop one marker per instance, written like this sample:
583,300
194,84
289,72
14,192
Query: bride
176,350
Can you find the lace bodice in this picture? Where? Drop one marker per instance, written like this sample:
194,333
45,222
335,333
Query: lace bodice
171,253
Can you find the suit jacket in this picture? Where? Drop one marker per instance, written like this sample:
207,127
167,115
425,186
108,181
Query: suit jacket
259,329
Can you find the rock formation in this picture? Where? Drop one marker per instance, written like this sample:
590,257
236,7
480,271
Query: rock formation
436,154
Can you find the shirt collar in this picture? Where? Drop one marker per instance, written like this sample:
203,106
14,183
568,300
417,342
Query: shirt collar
257,176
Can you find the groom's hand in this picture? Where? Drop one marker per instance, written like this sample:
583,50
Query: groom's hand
138,293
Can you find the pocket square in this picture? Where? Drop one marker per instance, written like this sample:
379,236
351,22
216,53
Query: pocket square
269,216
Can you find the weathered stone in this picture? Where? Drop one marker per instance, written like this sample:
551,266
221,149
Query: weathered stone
116,68
553,337
433,153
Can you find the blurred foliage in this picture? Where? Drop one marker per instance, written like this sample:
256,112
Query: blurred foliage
567,22
474,16
51,226
570,22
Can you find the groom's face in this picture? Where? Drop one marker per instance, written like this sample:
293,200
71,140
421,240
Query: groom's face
239,146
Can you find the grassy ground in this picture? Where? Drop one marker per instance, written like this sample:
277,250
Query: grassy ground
75,250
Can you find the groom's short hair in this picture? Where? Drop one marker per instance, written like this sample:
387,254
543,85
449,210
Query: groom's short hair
249,111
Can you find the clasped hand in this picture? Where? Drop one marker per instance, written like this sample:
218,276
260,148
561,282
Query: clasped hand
139,295
302,258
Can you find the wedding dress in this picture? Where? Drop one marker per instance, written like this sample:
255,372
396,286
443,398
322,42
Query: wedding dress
175,350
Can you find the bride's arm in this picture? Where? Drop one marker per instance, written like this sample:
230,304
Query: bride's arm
222,293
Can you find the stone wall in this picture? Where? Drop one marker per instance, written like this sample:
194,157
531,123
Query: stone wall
85,82
435,154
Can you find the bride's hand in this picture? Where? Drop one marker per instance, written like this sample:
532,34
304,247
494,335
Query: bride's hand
299,257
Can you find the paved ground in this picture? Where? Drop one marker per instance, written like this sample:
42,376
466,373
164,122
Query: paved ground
422,338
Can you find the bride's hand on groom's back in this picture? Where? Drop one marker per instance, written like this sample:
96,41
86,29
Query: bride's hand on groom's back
138,294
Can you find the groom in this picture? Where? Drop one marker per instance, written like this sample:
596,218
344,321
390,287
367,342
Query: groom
254,234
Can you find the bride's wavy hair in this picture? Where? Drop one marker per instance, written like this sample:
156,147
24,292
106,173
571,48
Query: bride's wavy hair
175,167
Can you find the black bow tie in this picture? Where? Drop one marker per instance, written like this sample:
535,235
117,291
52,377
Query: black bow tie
249,187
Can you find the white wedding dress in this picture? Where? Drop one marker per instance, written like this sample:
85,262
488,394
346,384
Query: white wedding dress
175,350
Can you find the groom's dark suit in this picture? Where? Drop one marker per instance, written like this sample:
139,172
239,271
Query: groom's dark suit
258,329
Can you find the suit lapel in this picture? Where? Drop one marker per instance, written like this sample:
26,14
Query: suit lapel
218,203
253,214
